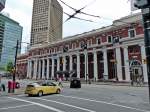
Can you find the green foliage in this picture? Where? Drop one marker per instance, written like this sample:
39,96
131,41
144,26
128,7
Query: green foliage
9,67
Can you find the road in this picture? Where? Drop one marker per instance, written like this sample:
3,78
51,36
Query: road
90,98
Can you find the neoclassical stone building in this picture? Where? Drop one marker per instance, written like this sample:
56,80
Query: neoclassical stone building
115,52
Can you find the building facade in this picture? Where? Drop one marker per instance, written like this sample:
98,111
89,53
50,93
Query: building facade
2,4
115,52
10,32
46,21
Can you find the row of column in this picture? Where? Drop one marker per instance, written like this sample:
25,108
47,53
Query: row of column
33,70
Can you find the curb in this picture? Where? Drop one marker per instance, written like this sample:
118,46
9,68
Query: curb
112,84
17,92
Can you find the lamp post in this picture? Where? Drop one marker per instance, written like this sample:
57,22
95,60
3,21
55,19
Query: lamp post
115,41
145,6
84,47
14,70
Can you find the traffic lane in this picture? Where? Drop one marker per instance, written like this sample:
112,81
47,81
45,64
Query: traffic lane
58,101
29,108
20,105
112,91
6,102
134,97
99,103
66,107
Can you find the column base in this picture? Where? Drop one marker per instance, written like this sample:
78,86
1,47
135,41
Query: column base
105,77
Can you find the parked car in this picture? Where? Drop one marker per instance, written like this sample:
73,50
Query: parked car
75,82
42,88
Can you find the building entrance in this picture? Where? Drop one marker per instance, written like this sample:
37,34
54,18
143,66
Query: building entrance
136,73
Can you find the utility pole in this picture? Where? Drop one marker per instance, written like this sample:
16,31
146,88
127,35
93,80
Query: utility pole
14,71
145,6
84,47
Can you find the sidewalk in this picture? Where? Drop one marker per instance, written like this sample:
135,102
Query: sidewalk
17,92
111,83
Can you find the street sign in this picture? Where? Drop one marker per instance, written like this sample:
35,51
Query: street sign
141,3
145,11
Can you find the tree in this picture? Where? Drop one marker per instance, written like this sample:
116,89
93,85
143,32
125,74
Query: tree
9,67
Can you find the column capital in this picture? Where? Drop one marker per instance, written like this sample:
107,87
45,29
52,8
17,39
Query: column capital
78,54
125,47
141,45
94,52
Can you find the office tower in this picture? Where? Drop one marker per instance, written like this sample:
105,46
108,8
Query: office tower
46,22
10,32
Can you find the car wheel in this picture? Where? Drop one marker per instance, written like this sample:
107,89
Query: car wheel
40,93
58,91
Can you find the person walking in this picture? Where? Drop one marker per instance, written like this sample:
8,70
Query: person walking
60,82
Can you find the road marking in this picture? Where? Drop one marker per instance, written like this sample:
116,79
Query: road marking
38,104
21,95
15,107
67,105
98,101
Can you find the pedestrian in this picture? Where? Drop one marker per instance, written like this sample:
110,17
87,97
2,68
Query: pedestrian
9,86
60,82
0,82
3,87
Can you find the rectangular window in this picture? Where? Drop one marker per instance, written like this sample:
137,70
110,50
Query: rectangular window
89,42
98,41
73,45
131,33
109,39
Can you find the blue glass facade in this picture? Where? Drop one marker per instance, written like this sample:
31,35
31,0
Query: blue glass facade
12,33
2,4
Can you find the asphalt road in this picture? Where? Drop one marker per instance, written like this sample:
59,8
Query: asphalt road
90,98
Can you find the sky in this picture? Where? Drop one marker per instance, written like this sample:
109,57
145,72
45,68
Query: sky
108,10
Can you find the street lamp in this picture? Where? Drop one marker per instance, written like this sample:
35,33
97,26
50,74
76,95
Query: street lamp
115,41
145,6
14,70
84,47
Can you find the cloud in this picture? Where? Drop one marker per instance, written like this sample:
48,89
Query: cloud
22,14
109,10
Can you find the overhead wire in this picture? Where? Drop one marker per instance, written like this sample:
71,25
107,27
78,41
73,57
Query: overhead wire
100,17
73,16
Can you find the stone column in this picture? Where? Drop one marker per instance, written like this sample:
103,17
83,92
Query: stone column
64,63
143,55
105,64
78,65
95,66
71,63
52,71
126,63
35,69
43,69
119,65
86,65
28,69
30,74
58,64
39,71
47,75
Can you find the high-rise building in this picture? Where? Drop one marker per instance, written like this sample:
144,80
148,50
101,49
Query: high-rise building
46,21
10,32
2,4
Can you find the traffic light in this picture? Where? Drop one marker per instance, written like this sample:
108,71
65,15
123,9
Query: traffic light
144,61
142,3
116,39
65,49
84,46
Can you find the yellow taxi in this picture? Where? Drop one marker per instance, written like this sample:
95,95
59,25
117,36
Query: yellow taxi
42,88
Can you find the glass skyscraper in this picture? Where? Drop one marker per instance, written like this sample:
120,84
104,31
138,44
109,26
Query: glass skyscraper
10,32
2,4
